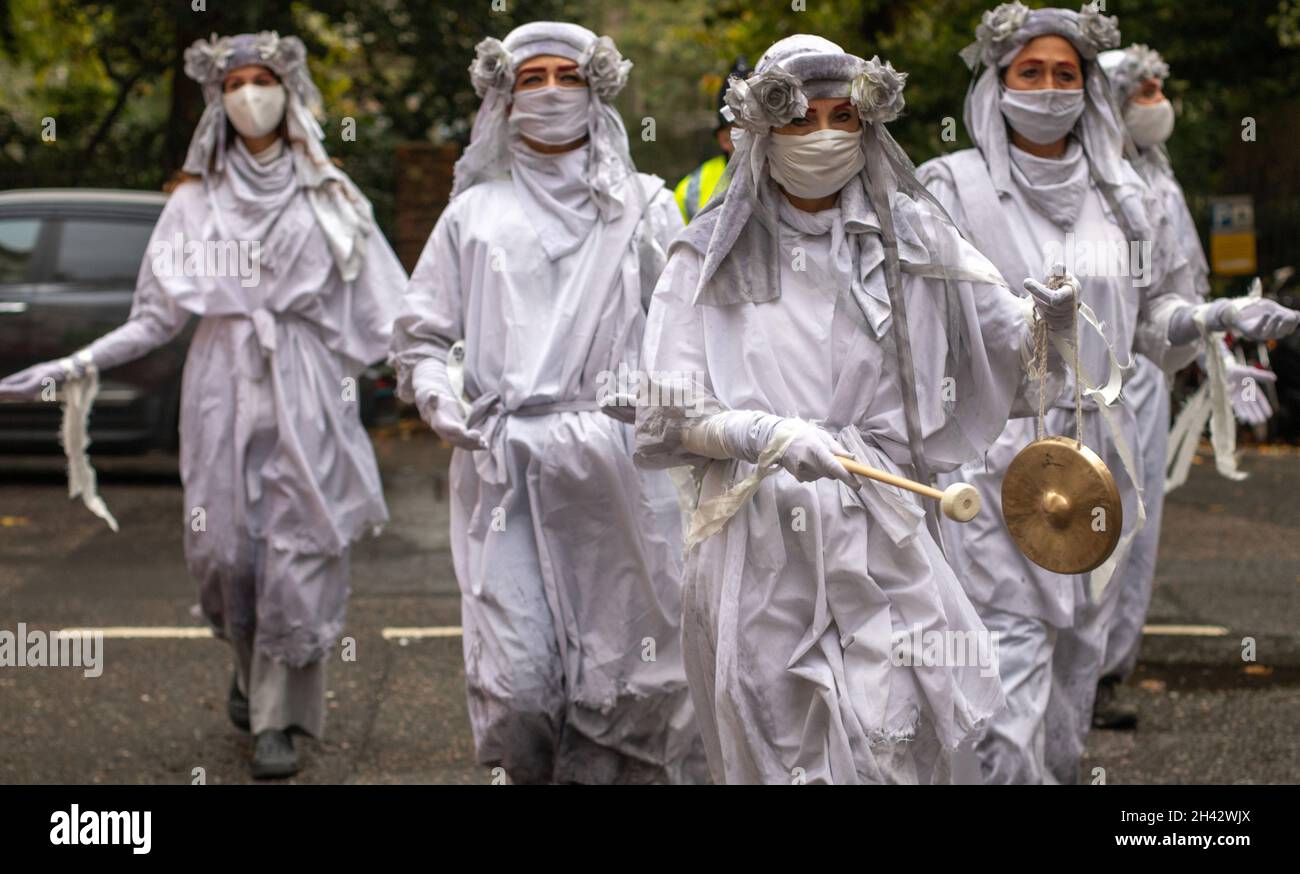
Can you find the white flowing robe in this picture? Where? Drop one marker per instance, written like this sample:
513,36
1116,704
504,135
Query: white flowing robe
567,556
1052,626
1148,392
280,477
800,614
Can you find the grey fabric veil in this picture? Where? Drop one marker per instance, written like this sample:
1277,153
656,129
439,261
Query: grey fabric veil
1001,35
344,213
493,73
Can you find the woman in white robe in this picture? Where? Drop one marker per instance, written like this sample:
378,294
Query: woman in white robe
279,475
1137,75
812,598
1047,180
568,557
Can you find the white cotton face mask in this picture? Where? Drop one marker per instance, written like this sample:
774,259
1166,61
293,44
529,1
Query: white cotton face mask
555,116
1043,116
817,164
1149,124
255,110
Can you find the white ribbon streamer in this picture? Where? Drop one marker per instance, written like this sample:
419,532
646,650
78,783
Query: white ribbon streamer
79,393
1211,403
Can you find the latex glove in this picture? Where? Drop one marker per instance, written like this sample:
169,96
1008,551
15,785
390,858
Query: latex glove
444,416
1249,400
1255,318
801,447
27,385
811,453
1055,303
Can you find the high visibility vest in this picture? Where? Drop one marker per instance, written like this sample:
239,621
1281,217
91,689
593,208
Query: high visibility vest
694,191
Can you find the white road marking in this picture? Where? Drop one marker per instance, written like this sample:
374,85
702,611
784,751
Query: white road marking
419,633
148,632
1185,630
151,632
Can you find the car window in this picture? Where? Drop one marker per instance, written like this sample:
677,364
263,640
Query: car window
100,250
17,244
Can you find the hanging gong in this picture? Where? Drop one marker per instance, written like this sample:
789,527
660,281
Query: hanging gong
1061,506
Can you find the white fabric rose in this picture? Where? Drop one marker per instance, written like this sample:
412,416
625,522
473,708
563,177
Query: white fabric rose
878,92
492,69
766,100
604,68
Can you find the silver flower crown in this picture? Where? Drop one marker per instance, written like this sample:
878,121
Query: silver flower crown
1144,63
775,97
207,62
605,70
997,30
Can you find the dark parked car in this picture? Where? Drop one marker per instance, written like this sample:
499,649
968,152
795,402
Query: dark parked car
68,265
69,259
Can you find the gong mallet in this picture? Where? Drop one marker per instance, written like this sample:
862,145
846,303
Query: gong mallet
960,502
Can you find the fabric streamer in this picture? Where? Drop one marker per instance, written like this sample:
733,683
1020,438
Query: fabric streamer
79,393
1210,404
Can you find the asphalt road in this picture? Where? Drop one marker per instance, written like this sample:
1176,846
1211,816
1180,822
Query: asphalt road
1230,557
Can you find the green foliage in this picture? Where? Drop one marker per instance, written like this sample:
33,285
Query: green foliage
110,74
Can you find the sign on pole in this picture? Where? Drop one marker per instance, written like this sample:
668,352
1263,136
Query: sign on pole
1232,235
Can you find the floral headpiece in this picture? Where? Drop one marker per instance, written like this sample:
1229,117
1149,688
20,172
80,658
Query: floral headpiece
600,63
1014,24
775,97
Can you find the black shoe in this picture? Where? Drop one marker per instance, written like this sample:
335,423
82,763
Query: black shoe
274,755
237,706
1107,712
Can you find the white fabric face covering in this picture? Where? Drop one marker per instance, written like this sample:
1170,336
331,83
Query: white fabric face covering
1150,124
555,116
1043,116
816,164
255,110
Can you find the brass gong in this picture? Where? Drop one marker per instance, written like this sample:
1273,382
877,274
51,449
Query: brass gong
1061,506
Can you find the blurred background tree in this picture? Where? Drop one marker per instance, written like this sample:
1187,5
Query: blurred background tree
110,75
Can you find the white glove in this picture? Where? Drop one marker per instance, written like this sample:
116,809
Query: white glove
1055,304
811,453
808,451
27,385
1255,318
1249,400
445,418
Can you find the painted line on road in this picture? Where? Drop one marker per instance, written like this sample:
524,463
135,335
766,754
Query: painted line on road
122,632
1185,630
147,632
419,633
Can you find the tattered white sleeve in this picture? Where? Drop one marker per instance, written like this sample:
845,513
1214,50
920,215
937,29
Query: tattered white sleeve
1173,288
430,320
678,393
156,316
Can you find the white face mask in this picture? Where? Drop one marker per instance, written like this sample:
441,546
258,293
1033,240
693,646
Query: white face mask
255,110
1149,124
555,116
817,164
1043,116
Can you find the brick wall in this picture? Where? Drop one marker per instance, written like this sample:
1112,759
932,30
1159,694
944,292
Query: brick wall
423,188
